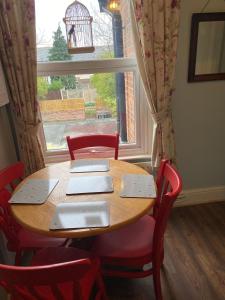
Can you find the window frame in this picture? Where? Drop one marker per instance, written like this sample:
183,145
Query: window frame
144,122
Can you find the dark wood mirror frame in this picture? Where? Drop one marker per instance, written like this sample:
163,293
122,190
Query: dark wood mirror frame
196,19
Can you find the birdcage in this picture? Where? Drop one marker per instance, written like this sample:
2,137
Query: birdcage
78,29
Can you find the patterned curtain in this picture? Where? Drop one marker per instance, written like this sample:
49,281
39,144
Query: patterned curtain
155,25
18,58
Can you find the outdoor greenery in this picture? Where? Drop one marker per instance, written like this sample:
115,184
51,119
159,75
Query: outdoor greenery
89,104
90,113
42,87
105,85
58,52
55,85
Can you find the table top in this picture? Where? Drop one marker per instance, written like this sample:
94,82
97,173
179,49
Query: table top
122,210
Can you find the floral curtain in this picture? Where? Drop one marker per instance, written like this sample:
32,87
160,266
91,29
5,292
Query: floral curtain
18,58
155,28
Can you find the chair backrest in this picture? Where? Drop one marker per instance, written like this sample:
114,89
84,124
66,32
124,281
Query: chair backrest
69,280
159,185
10,176
97,140
169,185
7,224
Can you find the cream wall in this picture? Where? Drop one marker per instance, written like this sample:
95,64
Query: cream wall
7,149
199,113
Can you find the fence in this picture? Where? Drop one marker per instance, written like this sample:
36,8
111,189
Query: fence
61,105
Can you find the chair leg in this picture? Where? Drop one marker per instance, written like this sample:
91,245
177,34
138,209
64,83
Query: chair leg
101,287
18,258
67,243
157,283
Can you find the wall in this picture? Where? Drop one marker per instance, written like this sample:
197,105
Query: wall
7,149
199,113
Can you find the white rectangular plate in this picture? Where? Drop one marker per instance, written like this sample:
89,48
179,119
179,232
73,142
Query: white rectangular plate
34,191
77,215
89,165
90,184
138,186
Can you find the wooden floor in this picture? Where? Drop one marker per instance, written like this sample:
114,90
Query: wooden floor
194,266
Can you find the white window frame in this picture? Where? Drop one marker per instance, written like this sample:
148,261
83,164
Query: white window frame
141,149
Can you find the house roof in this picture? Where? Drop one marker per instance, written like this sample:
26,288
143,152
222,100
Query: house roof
43,52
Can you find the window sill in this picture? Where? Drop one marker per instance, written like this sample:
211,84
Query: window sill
141,160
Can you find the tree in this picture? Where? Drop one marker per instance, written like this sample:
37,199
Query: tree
42,87
55,85
59,52
104,83
105,86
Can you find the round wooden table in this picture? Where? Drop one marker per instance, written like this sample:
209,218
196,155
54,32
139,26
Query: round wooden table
122,210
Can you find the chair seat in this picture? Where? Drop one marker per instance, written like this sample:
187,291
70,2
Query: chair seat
33,240
50,256
130,242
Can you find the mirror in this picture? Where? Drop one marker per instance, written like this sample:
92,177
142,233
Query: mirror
207,47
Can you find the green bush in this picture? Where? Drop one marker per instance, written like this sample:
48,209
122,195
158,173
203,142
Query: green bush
89,104
90,113
42,87
56,85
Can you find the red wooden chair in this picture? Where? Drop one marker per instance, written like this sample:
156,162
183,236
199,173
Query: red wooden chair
65,274
98,140
18,238
142,242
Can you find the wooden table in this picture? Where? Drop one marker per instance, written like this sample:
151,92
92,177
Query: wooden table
122,210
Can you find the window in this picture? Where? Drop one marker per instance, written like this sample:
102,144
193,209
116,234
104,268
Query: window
98,92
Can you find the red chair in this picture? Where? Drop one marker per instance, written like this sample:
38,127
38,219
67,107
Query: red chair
98,140
141,243
18,238
160,185
70,275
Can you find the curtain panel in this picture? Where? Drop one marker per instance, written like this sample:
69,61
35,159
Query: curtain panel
18,57
155,25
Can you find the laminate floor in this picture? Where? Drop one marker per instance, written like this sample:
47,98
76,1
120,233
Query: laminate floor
194,266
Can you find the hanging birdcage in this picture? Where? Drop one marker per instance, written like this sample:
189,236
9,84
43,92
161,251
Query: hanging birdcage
78,29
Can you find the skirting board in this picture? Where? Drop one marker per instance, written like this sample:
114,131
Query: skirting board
194,196
201,196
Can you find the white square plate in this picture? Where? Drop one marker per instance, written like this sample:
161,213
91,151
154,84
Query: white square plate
77,215
89,165
34,191
138,186
90,184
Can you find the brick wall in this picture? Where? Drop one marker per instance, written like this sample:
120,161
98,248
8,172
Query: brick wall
129,80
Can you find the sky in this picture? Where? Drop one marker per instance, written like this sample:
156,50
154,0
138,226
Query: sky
50,13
